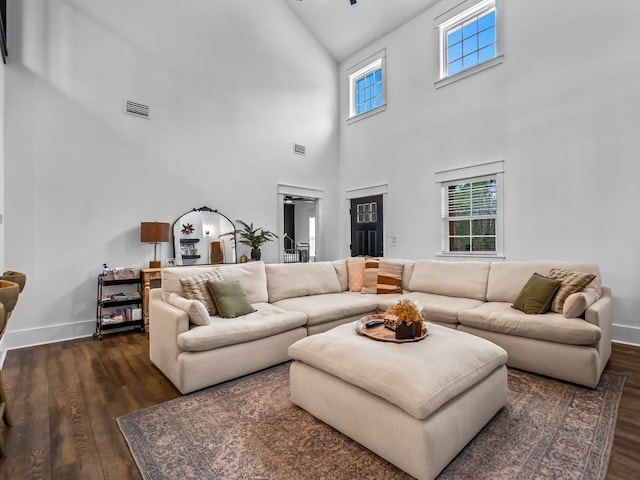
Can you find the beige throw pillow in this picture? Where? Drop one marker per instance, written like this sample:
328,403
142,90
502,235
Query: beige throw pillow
355,269
196,310
572,282
577,303
195,288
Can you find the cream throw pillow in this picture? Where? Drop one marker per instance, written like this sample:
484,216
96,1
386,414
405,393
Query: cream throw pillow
577,303
196,310
195,288
355,269
572,282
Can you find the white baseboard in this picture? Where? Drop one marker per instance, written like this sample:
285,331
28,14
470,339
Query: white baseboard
41,335
626,334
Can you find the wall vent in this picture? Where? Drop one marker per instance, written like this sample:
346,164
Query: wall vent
137,109
299,149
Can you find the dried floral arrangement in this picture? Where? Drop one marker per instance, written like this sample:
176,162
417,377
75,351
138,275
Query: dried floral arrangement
403,311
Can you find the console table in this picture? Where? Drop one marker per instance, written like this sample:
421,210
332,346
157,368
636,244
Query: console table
151,278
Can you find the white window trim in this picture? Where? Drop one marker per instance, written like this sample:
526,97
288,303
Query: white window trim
453,15
372,63
471,173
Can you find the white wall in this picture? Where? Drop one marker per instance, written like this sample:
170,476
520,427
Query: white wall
231,86
563,111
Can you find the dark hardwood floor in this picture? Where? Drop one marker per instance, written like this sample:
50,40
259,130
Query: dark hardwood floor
65,397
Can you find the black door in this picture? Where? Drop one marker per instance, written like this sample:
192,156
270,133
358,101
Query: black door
366,226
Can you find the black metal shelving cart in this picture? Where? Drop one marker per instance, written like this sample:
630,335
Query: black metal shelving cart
118,309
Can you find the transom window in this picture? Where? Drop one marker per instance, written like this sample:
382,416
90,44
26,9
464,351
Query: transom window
470,209
468,39
366,87
368,91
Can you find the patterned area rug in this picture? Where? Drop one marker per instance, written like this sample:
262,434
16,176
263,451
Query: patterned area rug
248,429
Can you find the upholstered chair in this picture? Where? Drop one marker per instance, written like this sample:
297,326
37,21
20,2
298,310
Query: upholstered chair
17,277
9,292
3,398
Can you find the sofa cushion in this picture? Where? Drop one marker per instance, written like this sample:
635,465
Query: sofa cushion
196,310
251,275
343,273
407,272
454,279
355,267
553,327
506,279
288,280
266,321
195,288
253,278
171,278
383,301
537,294
230,299
328,307
571,282
441,308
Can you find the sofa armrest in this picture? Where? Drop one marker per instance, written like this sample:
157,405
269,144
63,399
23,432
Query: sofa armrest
166,322
600,314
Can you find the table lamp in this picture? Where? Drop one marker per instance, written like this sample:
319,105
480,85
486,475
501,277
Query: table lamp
154,232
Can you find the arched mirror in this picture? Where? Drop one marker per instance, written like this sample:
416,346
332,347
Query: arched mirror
198,238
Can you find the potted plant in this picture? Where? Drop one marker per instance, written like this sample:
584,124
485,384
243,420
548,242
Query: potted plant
253,237
406,316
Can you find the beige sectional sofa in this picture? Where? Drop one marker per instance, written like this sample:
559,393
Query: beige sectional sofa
300,299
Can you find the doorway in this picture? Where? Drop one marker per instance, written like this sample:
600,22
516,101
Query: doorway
299,237
300,223
367,226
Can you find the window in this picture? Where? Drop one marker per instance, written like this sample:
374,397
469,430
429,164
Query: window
469,215
366,87
469,40
368,90
367,212
472,210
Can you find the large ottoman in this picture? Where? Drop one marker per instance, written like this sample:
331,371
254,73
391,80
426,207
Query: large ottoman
414,404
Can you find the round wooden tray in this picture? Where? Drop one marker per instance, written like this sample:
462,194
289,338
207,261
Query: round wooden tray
382,333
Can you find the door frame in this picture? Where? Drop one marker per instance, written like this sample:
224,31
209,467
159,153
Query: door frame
382,189
297,191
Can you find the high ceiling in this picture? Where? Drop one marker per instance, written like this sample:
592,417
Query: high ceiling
344,29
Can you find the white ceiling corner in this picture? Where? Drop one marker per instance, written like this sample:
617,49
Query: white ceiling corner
344,29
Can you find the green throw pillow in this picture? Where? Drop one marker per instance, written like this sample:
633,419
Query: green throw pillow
537,294
230,299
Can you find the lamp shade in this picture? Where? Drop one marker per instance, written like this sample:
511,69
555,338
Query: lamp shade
154,232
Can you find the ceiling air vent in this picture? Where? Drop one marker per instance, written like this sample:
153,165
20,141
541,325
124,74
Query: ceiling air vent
137,109
299,149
